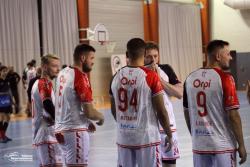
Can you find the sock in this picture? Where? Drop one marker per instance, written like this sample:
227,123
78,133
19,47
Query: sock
1,130
5,126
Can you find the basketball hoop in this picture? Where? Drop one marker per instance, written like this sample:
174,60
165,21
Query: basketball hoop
102,42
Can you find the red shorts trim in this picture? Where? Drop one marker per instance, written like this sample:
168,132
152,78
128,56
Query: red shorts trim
46,142
213,152
72,130
139,146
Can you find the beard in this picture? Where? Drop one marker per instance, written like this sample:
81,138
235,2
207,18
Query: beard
51,75
86,68
225,68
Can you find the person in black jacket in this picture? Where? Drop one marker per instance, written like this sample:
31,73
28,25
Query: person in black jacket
13,78
5,104
172,88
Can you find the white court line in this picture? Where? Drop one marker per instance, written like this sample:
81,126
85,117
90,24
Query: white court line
11,148
19,138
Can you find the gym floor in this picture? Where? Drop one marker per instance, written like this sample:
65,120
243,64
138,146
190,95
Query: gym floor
103,152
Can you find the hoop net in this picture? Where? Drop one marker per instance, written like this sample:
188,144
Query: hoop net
110,45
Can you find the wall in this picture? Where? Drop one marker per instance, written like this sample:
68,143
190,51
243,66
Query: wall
124,20
182,1
230,25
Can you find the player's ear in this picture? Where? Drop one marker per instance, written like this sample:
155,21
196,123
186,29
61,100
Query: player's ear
217,56
82,58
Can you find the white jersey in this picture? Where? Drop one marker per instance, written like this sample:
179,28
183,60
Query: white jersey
208,95
31,73
42,132
72,89
137,124
168,103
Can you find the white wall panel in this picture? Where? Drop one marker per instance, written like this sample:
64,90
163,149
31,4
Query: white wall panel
124,20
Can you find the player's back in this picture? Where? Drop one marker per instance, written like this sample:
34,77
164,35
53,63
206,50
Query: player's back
210,94
133,89
69,114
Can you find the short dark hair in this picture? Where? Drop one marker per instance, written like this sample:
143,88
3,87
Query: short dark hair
33,61
82,49
214,46
135,48
30,64
152,45
64,66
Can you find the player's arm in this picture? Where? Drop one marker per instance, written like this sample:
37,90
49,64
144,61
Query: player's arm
174,86
45,90
18,78
173,90
186,111
24,81
231,105
92,114
187,119
113,109
84,92
49,107
112,99
162,113
236,126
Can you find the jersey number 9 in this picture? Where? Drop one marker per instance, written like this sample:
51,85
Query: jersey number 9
201,103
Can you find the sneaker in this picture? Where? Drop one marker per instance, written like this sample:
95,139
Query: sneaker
3,140
8,139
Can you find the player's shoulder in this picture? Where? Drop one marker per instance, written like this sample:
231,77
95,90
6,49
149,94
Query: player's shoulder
149,72
44,83
165,66
193,73
78,73
224,75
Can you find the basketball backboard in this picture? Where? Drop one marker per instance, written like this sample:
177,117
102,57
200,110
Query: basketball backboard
99,34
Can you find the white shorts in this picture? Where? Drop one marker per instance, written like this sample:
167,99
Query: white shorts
75,148
174,152
49,154
143,157
215,160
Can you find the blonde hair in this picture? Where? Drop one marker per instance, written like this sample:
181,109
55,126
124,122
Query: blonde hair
45,58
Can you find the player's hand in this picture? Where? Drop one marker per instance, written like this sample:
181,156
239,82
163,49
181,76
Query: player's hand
100,122
168,143
91,127
153,67
59,138
242,154
157,70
